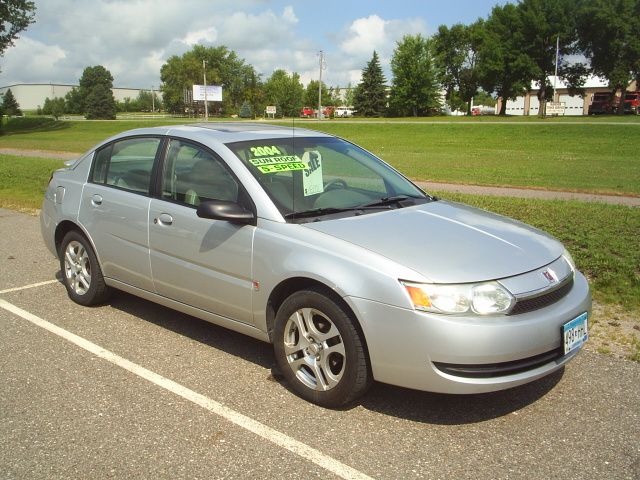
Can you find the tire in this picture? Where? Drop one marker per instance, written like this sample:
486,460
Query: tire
319,350
81,272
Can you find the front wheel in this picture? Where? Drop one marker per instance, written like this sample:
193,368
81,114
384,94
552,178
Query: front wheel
319,350
81,271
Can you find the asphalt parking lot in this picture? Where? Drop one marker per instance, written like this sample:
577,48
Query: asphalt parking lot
132,389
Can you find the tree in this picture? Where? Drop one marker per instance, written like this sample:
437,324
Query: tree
311,94
285,92
504,67
73,102
10,104
456,55
609,35
54,107
415,88
370,97
95,90
223,67
543,22
15,16
245,110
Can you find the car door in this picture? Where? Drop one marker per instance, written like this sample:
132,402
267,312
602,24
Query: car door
200,262
115,208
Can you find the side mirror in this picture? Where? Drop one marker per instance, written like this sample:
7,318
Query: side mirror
229,211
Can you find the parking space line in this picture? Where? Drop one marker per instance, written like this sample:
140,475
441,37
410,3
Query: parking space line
282,440
33,285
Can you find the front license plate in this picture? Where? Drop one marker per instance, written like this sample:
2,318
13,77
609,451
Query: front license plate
574,333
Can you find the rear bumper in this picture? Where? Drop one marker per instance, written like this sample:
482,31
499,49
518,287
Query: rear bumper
450,354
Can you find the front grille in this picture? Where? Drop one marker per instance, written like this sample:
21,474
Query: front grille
489,370
541,301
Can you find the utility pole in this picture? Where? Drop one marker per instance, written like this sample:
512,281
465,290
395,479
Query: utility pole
321,54
204,75
153,101
555,78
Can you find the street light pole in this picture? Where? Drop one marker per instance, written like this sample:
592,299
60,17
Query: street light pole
204,75
320,86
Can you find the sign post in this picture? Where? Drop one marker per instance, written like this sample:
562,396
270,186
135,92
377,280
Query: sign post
270,110
555,108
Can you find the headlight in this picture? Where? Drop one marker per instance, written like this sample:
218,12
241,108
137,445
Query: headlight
567,256
481,298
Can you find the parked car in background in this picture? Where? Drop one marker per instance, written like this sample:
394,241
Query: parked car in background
307,112
343,112
309,242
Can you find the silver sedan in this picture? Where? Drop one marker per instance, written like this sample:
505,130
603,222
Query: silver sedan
309,242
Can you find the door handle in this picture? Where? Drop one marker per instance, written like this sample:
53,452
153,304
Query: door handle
96,200
163,219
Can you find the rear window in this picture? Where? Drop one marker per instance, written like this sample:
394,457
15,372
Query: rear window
126,164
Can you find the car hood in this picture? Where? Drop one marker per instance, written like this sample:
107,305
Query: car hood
448,242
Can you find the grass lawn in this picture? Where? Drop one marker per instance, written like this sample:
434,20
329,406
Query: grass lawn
23,181
554,154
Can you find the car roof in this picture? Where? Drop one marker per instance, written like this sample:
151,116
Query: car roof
227,132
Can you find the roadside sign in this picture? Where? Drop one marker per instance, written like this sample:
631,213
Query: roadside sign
271,110
214,93
555,108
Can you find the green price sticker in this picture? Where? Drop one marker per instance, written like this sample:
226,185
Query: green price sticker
281,167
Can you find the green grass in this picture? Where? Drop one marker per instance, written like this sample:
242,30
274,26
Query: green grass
23,181
590,158
550,154
603,239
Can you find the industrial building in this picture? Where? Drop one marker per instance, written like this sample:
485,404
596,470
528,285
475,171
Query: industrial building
30,96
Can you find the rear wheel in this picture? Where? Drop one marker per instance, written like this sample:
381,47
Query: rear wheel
81,271
319,350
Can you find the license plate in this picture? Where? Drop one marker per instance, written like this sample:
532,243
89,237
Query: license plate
574,333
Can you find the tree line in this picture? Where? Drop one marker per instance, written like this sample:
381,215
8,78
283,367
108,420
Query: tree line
501,55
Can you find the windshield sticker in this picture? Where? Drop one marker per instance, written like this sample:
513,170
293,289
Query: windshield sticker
312,179
265,151
281,167
282,163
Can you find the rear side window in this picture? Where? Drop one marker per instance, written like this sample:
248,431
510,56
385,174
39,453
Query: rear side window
126,164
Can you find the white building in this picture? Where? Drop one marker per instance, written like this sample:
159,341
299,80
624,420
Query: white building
30,96
574,105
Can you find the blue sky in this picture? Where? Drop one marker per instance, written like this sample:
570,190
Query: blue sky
133,38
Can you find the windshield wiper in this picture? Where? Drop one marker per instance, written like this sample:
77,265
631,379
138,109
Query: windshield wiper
388,201
316,212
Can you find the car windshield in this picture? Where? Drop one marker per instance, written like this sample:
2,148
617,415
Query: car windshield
310,177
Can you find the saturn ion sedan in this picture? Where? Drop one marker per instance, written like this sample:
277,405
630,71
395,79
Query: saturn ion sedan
307,241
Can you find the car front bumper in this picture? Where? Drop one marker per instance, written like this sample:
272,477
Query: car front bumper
448,354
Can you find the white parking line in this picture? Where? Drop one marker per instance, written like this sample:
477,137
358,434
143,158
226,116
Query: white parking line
268,433
33,285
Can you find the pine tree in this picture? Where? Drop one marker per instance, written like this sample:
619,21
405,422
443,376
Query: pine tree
245,110
10,104
370,99
95,90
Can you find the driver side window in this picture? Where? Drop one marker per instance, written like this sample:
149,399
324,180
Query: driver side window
192,175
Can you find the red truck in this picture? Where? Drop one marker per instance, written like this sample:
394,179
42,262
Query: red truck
632,103
601,104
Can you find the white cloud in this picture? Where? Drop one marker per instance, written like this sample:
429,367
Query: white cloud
32,60
208,35
134,38
365,36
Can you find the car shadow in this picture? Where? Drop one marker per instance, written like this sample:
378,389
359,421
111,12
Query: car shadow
220,338
423,407
443,409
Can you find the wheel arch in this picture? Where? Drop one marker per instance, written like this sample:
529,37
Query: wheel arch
295,284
